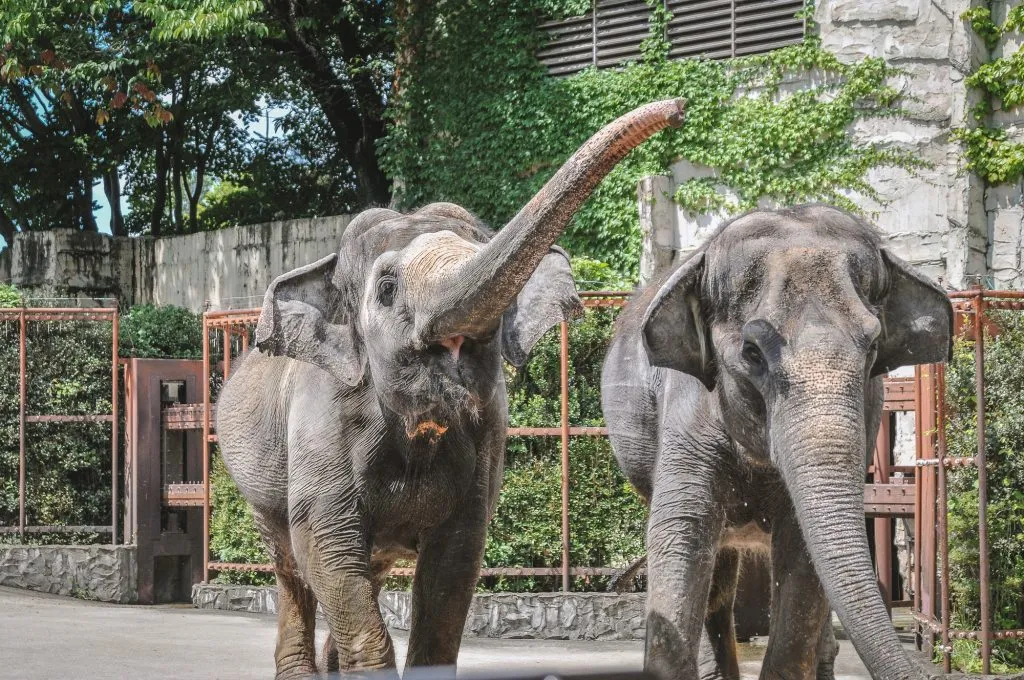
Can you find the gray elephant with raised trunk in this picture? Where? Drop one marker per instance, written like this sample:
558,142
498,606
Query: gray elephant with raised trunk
369,426
743,391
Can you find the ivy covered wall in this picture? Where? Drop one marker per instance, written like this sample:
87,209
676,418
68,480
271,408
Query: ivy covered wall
481,124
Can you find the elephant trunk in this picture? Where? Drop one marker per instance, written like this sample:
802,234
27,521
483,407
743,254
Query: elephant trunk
489,282
820,450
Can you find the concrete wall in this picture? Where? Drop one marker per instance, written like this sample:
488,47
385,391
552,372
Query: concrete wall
92,572
934,217
551,616
233,267
230,268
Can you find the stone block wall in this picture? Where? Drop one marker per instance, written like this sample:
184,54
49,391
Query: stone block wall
92,572
934,217
550,616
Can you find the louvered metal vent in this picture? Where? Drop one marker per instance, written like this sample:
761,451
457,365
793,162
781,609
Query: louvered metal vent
611,33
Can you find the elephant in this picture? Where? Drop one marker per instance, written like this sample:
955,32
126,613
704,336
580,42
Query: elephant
368,425
742,391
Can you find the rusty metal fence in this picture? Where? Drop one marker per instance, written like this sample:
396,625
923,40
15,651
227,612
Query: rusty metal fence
25,318
931,606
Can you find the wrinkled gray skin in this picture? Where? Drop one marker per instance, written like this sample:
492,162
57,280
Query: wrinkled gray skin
742,392
369,426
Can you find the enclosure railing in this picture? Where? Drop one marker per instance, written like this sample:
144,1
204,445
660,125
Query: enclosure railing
931,548
883,499
25,316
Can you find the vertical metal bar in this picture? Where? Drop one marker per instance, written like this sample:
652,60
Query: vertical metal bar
206,450
22,398
565,455
114,426
227,352
979,391
943,519
918,504
593,33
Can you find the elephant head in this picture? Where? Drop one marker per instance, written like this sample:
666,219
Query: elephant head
787,317
423,303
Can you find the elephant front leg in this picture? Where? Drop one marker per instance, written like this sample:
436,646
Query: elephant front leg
685,523
447,569
799,608
334,558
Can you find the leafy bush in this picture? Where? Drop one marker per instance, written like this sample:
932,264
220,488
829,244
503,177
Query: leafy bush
9,296
1004,446
233,535
67,464
166,332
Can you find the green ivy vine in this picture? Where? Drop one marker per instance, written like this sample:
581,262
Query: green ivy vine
989,151
480,123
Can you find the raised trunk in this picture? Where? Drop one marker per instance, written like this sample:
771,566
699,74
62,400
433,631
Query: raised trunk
479,291
822,463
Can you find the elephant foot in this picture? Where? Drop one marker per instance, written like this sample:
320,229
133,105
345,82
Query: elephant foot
304,672
826,671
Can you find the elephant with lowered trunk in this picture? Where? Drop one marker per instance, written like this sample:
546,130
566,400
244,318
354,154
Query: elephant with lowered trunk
369,425
743,391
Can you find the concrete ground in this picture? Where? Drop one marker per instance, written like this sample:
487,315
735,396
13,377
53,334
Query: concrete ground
45,636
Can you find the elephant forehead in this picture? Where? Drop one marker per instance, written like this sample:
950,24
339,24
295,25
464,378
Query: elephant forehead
434,257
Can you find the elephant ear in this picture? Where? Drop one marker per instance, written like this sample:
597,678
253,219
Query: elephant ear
674,331
548,297
917,319
295,322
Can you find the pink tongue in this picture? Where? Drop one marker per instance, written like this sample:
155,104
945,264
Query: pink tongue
453,344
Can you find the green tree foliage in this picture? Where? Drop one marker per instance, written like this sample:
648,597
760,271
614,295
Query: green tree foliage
153,100
1004,441
480,123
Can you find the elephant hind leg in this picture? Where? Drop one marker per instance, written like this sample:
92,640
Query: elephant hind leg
718,656
295,654
828,650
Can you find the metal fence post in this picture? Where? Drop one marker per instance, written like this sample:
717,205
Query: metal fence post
206,450
114,424
979,391
22,398
565,454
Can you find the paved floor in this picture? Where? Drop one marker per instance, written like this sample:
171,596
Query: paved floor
43,636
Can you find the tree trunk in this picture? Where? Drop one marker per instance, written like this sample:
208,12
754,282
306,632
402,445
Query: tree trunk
352,107
83,203
7,227
160,189
112,190
179,220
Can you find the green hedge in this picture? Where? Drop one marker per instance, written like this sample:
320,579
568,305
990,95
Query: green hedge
1004,441
69,373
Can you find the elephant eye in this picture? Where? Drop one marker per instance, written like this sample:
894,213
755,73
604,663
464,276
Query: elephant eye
752,355
386,289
